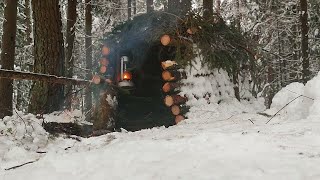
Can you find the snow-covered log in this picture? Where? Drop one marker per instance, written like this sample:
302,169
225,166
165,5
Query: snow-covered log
19,75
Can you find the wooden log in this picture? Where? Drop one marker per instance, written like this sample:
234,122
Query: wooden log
70,128
179,118
105,50
168,65
170,87
179,109
19,75
170,100
165,40
173,75
103,69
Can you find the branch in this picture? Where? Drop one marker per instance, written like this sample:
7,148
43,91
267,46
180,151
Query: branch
19,75
14,167
283,108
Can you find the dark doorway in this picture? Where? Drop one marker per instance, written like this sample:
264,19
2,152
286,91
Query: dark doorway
144,107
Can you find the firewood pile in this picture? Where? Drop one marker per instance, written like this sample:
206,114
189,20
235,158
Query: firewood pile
172,75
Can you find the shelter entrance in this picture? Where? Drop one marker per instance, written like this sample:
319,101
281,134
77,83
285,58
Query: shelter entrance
143,107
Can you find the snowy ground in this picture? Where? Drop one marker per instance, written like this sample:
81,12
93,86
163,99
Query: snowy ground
225,141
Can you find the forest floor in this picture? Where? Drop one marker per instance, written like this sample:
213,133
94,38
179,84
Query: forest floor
226,141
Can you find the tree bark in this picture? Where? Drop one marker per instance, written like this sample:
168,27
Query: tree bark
7,55
129,9
207,8
27,11
218,6
49,56
134,3
88,47
304,40
174,6
149,6
105,111
71,20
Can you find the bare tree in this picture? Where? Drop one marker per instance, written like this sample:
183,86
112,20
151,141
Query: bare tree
71,20
304,40
7,55
149,6
207,8
129,9
88,47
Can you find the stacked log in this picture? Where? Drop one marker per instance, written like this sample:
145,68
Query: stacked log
172,75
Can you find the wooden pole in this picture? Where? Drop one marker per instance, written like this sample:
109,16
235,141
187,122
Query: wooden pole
19,75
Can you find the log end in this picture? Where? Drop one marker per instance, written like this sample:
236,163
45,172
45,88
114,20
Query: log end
179,118
165,40
167,76
103,69
175,109
168,101
105,50
166,87
96,79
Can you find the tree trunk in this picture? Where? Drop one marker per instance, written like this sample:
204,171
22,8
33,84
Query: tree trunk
71,20
185,6
218,6
134,3
49,56
7,55
304,41
174,6
129,9
149,6
207,8
105,111
88,47
27,11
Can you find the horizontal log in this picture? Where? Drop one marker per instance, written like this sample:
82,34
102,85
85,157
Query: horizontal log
170,87
170,100
169,65
19,75
173,75
69,128
179,118
103,69
179,109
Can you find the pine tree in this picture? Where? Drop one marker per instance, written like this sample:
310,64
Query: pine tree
88,47
7,55
304,40
48,54
71,20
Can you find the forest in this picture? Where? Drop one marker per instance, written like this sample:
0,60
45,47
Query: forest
281,36
146,71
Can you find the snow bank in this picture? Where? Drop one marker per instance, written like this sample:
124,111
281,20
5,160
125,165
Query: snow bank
20,137
211,93
305,107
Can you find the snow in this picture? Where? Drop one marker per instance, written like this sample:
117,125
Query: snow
229,140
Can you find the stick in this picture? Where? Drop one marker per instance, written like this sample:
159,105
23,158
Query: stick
14,167
19,75
283,108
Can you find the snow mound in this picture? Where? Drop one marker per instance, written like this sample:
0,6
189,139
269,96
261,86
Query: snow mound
21,136
303,101
211,95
